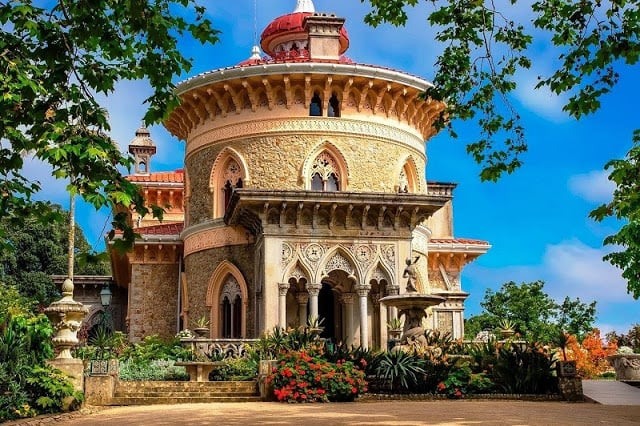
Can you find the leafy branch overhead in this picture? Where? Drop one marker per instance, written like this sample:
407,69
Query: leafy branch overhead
54,63
484,49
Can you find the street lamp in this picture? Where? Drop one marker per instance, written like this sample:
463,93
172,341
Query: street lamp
105,296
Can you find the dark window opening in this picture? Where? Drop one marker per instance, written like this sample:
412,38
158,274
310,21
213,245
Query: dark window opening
228,190
334,106
226,318
315,108
332,184
237,317
316,183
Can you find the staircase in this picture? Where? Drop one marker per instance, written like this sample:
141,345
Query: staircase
147,393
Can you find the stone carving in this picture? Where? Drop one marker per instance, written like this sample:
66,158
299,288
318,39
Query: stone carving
403,182
216,237
313,252
298,273
287,253
379,275
232,172
363,253
283,288
411,275
304,125
338,262
231,289
325,165
389,255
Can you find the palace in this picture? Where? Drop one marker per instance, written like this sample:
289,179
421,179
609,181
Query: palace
303,193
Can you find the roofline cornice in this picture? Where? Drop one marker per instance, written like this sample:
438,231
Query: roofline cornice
352,70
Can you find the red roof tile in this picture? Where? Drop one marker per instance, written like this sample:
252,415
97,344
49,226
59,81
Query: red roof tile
465,241
168,177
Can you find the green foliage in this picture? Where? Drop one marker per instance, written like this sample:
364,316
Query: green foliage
39,250
28,386
630,339
625,204
300,377
524,370
461,381
154,370
402,369
54,64
532,313
485,44
155,348
236,369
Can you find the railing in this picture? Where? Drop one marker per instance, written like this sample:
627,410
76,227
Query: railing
219,348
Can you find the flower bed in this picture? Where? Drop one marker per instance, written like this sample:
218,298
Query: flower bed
299,377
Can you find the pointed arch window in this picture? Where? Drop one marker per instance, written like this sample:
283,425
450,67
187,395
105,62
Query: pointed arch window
231,178
407,180
324,174
231,309
315,107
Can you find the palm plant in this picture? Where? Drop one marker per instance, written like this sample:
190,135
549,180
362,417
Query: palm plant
403,370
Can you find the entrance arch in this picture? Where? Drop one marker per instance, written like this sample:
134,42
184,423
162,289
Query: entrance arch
227,300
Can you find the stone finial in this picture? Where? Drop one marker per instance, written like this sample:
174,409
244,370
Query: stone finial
66,315
305,6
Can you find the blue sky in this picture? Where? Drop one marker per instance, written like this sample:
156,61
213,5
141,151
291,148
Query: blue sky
536,219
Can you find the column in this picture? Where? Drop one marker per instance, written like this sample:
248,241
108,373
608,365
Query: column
376,325
302,299
282,304
314,290
392,312
347,300
363,291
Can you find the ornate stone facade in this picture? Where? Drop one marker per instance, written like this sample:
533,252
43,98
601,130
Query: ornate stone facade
304,192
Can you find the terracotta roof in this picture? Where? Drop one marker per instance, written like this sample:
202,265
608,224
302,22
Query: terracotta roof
465,241
169,177
162,229
288,27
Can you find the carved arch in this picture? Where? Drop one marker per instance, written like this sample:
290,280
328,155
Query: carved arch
384,270
214,290
336,154
407,167
290,272
216,179
328,264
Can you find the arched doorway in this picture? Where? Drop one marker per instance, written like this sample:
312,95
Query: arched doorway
327,311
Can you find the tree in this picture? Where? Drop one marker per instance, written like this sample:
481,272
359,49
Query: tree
535,315
39,250
484,49
54,63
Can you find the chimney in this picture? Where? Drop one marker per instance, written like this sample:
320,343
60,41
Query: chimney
324,36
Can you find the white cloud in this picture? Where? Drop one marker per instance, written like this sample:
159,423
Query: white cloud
594,186
542,101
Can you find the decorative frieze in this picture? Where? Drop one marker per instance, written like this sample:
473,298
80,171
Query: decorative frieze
216,237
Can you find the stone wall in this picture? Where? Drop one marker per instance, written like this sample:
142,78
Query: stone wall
199,268
276,163
153,299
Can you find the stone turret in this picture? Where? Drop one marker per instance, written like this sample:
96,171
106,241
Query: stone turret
142,148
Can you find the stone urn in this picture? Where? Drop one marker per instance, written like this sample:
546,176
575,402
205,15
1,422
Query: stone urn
627,366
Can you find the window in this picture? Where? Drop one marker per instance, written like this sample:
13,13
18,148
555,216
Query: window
231,309
232,179
324,174
334,106
315,108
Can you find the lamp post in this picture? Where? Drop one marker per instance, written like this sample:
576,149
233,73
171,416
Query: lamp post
105,300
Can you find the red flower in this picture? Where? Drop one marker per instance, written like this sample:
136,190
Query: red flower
441,386
354,390
458,394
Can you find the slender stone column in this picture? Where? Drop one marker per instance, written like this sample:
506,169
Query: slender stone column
302,299
363,291
347,300
392,312
313,289
282,304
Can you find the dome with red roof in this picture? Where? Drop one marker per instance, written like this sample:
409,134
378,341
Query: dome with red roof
287,33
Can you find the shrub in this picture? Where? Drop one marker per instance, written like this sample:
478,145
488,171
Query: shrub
461,381
523,369
236,369
402,369
156,348
154,370
299,377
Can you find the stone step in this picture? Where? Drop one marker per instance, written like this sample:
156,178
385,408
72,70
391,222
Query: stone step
180,400
165,394
185,386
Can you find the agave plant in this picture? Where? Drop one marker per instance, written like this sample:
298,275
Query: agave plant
403,370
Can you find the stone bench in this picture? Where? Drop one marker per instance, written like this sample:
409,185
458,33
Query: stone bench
199,370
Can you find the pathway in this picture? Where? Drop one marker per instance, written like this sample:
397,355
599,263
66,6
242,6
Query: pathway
611,392
407,413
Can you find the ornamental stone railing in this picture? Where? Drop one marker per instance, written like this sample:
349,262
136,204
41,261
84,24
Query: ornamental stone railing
219,348
627,366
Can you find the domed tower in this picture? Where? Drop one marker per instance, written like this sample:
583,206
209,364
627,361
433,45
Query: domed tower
142,148
305,190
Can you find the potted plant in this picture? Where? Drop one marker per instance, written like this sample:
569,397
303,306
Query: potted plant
564,367
395,326
314,325
507,328
626,363
201,326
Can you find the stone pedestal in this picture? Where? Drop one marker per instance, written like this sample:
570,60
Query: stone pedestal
571,388
72,367
99,390
264,369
